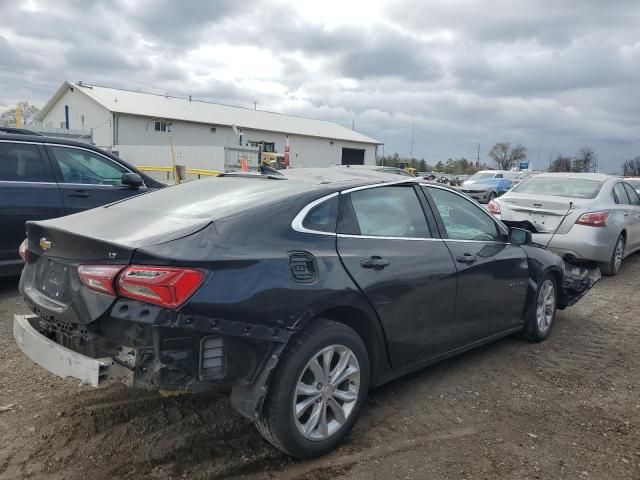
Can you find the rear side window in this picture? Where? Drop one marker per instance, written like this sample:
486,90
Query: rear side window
383,212
620,194
322,217
634,199
21,162
559,187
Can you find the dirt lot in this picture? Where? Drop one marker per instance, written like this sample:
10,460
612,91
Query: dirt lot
567,408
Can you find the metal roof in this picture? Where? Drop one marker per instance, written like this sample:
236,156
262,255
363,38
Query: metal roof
173,108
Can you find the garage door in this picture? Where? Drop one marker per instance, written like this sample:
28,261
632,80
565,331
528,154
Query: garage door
352,156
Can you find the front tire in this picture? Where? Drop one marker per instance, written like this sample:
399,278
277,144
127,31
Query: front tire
542,314
613,266
317,390
492,196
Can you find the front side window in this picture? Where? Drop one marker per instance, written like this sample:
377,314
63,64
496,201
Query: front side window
84,167
634,199
463,219
20,162
383,212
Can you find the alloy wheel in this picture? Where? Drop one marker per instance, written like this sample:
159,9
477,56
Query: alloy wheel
326,392
617,254
546,305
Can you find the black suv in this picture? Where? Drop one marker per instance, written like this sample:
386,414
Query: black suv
42,177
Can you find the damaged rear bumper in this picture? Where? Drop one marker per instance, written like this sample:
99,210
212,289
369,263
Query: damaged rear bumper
62,361
576,282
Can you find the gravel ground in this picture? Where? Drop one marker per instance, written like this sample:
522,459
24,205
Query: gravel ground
566,408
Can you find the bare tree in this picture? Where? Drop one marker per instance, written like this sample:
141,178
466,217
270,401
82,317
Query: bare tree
29,113
561,164
585,161
506,157
631,167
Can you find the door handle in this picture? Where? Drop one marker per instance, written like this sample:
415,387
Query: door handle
79,194
467,258
376,262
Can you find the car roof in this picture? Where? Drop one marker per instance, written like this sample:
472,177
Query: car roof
330,176
19,131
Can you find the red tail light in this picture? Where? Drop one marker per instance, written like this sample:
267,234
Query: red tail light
493,207
100,278
593,219
165,286
23,250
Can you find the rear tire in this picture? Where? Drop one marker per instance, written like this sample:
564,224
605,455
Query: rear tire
542,314
612,267
317,391
492,196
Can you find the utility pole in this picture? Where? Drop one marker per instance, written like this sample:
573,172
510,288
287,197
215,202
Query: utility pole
255,105
478,157
353,124
413,131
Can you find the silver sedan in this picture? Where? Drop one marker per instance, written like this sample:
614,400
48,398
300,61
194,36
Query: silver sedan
581,216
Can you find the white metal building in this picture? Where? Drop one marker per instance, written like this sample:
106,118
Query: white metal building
205,135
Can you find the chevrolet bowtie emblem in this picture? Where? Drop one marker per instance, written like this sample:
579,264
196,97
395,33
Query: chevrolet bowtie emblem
45,244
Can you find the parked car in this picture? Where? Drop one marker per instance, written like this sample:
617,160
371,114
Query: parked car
484,175
43,177
582,216
300,291
487,189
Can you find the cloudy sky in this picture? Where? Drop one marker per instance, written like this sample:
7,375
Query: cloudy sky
549,74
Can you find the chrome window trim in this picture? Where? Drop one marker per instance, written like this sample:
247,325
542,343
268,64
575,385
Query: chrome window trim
500,225
21,141
374,237
296,224
28,183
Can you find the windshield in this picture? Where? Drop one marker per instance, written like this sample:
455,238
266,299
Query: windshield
560,187
481,176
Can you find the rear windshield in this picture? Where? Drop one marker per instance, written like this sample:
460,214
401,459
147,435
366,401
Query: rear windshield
213,197
560,187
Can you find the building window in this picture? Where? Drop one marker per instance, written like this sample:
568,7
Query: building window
161,126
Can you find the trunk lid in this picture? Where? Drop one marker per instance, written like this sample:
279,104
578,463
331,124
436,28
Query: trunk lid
543,213
50,283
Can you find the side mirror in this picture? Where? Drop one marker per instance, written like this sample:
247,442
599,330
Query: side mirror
131,180
520,236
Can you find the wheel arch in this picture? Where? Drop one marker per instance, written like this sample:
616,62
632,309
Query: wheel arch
369,331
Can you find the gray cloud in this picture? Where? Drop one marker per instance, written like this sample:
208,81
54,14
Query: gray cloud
551,75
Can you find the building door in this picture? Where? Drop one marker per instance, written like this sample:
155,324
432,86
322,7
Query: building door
352,156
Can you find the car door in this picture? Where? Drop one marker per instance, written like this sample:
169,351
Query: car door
492,273
88,179
633,234
28,191
387,245
625,213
